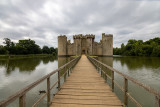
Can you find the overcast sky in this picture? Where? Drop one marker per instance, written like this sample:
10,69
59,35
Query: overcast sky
44,20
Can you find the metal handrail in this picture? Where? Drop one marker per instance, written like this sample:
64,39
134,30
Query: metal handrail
22,93
98,64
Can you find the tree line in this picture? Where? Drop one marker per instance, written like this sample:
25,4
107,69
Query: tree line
24,47
139,48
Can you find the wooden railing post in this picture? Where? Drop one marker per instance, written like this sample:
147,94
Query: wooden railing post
97,66
105,77
22,101
125,91
68,72
113,81
100,70
157,103
48,90
65,69
65,77
72,64
59,82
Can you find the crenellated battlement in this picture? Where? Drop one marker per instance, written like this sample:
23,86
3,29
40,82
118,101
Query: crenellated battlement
79,36
69,41
107,35
90,36
62,36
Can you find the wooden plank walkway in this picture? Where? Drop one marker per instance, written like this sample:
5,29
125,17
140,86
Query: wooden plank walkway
85,88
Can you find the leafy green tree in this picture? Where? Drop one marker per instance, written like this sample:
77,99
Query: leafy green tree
147,50
7,42
9,46
2,50
140,48
116,51
46,50
52,49
131,41
12,48
56,50
156,51
28,46
122,48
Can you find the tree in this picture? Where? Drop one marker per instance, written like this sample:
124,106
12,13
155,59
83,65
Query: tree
140,48
7,42
12,48
28,46
116,51
147,50
156,51
52,49
9,46
131,41
2,50
46,50
122,48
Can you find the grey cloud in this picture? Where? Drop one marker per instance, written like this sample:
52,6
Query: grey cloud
46,19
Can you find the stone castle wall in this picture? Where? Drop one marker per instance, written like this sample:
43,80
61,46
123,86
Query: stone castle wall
86,45
70,48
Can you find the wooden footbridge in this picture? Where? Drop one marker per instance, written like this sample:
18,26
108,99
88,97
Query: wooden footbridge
84,87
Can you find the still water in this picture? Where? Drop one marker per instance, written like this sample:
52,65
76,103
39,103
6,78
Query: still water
144,69
17,74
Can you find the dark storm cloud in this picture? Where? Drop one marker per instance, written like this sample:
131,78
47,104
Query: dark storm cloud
44,20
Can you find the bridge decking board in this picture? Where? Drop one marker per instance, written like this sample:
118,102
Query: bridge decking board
85,88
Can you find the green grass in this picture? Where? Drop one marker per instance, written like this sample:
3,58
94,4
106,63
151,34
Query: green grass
4,57
93,56
75,56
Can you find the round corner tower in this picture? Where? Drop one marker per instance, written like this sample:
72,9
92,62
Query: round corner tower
107,44
62,45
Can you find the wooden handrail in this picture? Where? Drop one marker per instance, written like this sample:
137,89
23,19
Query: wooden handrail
22,93
125,88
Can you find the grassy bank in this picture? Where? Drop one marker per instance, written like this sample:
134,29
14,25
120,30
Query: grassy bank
94,56
4,57
75,56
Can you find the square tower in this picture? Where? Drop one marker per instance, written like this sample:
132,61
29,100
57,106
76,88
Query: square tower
107,44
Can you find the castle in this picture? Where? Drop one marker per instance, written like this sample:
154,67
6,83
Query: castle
85,45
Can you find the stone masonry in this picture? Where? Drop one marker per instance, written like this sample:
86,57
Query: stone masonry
85,44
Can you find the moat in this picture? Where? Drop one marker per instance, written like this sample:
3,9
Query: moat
16,74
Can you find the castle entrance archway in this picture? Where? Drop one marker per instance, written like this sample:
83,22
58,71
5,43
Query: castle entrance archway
83,52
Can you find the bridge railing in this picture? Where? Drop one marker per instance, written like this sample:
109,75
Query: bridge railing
21,95
124,89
